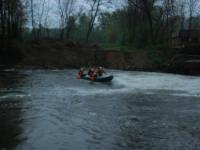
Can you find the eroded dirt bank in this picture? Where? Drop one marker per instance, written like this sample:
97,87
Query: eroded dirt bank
52,53
58,54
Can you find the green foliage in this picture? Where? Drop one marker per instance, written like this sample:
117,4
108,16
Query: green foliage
128,28
81,28
117,47
155,56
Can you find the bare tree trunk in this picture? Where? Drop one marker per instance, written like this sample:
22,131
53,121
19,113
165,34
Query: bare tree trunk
169,8
32,20
40,17
193,4
146,6
3,19
1,24
192,8
93,18
182,14
66,10
167,18
61,19
70,26
172,23
132,19
11,16
149,17
46,22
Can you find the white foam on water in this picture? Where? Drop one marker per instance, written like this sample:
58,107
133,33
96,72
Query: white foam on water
146,83
85,92
186,85
9,70
127,82
14,96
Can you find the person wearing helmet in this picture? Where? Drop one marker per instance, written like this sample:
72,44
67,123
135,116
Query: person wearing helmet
100,71
81,73
91,73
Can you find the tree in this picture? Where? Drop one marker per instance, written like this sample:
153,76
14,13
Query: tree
66,11
192,6
41,19
181,11
145,7
32,18
93,13
12,18
95,4
70,26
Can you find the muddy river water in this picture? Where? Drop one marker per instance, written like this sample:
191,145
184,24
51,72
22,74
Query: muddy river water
52,110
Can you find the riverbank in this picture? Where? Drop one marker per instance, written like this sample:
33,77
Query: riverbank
54,53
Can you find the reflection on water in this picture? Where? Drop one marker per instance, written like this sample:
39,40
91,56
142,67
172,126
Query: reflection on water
10,110
10,124
50,109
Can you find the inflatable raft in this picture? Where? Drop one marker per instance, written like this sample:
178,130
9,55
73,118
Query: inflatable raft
107,78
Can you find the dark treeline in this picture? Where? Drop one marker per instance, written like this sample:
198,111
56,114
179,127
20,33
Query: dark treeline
12,19
136,23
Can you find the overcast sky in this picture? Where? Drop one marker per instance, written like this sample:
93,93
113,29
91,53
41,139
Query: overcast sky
51,5
53,15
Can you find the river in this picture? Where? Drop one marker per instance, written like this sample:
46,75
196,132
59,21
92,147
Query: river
52,110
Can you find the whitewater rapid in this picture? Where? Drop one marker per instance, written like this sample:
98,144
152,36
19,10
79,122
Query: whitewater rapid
51,109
